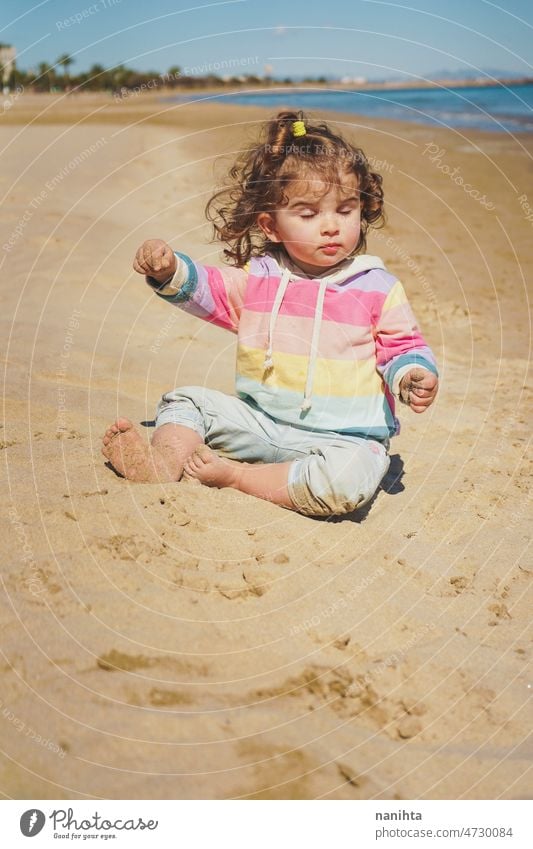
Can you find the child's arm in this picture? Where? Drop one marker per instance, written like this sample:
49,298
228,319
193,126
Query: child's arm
214,294
404,360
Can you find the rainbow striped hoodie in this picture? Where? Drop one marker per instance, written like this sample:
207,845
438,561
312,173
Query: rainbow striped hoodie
324,353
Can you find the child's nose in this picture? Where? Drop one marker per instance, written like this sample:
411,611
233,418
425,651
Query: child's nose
329,224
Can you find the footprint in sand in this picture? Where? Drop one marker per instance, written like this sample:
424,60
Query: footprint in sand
130,547
257,581
500,613
118,661
69,434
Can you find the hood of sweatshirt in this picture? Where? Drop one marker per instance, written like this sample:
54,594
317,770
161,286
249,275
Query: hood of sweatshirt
347,270
342,272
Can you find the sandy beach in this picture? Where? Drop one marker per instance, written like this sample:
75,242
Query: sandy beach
174,641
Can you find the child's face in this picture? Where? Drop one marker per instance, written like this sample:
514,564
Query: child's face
319,226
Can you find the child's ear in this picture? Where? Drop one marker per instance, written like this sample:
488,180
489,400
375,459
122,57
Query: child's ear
267,224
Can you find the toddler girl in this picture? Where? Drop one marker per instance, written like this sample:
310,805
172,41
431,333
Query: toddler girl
326,339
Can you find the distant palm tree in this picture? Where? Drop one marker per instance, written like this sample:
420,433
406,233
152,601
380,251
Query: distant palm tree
118,74
174,71
96,70
97,78
45,73
65,61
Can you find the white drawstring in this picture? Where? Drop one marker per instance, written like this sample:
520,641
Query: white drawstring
357,265
319,308
280,294
269,362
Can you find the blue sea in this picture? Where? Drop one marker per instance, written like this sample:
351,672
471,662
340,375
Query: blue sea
496,109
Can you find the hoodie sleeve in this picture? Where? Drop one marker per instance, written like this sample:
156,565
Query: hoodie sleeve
399,344
213,294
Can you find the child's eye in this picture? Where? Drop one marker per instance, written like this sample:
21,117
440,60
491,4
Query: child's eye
307,214
345,211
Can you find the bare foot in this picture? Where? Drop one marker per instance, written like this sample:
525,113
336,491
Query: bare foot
131,456
207,467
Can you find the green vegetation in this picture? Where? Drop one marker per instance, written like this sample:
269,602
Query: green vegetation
121,80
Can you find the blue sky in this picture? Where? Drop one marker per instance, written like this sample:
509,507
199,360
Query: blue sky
368,38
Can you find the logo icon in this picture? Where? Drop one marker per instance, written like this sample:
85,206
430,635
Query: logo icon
32,822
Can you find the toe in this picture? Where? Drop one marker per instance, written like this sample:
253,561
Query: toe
194,463
203,453
201,462
123,424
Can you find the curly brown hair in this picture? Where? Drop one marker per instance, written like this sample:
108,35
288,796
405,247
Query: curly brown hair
256,183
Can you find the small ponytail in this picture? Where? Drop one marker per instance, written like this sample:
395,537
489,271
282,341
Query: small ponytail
280,132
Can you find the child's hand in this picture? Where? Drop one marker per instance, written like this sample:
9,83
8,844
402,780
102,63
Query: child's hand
156,259
418,389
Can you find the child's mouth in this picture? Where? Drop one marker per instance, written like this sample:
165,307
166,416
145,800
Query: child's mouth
330,249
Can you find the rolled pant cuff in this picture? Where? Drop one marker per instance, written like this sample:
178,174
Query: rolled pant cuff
304,502
181,418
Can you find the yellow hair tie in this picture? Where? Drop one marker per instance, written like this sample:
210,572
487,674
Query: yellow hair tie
298,128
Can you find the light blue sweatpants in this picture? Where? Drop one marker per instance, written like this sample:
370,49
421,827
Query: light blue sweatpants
331,473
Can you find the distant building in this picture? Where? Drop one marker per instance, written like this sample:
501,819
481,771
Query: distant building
353,81
8,55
